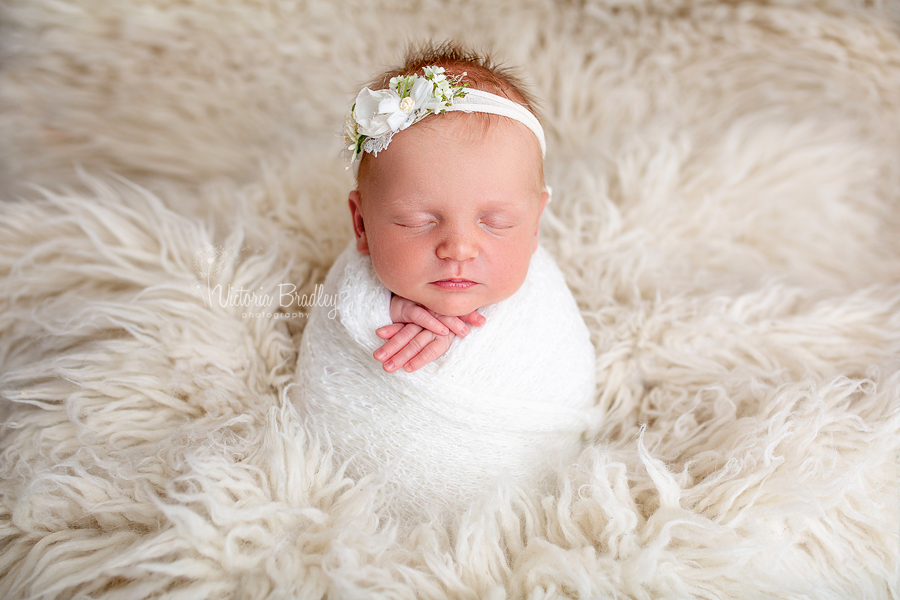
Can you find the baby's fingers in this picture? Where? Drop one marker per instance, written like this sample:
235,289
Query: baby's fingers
429,353
455,324
419,342
400,339
474,318
415,313
389,331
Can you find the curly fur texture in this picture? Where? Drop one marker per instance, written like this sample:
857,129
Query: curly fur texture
725,212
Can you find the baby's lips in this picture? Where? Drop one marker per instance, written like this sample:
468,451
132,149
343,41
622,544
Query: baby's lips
454,284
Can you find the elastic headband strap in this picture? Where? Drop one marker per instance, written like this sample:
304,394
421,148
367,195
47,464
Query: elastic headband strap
485,102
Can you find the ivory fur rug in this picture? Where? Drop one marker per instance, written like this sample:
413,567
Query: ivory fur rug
727,181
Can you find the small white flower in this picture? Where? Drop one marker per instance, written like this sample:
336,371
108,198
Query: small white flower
433,72
371,112
407,105
442,90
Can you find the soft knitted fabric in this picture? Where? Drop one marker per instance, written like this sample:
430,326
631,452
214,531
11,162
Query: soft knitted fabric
507,403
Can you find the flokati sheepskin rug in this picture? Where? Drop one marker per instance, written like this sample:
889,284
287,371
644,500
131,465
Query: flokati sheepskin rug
727,186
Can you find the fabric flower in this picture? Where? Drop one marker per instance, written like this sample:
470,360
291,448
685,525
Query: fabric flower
421,94
371,120
377,115
403,112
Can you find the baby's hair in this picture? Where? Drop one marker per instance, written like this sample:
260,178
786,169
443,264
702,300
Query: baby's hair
482,72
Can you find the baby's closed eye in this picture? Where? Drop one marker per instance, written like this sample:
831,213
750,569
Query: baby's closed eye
414,223
497,223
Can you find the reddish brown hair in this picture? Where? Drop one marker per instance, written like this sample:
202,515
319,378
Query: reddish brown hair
482,73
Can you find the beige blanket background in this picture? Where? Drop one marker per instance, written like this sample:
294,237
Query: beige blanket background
726,180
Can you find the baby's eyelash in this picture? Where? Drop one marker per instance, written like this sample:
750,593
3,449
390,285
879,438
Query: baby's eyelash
413,225
498,224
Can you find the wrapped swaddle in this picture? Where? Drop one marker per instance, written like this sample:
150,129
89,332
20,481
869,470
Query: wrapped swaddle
507,402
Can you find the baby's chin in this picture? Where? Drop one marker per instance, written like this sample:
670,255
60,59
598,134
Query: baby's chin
455,304
450,311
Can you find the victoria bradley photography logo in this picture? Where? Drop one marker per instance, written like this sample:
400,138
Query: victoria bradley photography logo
275,303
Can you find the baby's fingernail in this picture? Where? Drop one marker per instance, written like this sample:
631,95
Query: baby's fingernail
445,331
389,366
465,330
408,368
379,354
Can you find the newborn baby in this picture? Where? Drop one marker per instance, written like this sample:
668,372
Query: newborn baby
449,196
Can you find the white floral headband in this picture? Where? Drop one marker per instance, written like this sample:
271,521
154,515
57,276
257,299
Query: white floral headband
378,115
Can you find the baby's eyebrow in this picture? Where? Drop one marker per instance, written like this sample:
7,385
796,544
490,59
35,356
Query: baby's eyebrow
505,206
497,211
408,209
408,199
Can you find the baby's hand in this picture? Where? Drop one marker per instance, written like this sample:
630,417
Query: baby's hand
418,336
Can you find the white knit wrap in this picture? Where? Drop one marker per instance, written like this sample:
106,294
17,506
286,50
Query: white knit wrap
509,400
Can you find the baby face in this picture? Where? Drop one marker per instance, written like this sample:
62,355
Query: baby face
449,214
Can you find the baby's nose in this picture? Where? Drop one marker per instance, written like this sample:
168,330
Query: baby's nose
457,245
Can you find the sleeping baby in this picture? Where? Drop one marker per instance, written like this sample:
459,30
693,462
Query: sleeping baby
457,360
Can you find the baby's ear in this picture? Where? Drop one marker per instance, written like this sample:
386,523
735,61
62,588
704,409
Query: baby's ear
359,228
545,198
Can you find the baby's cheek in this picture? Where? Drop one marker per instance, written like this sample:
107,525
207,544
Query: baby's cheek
401,280
511,278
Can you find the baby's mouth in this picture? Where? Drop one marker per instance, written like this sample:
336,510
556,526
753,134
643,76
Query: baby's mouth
454,284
